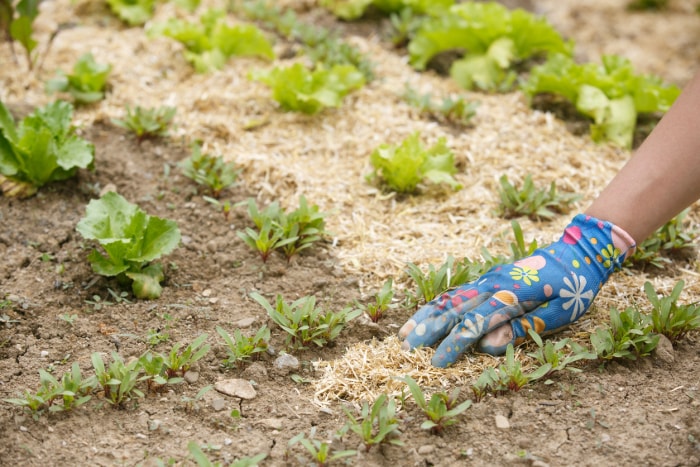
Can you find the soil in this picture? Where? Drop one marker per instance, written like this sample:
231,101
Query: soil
645,412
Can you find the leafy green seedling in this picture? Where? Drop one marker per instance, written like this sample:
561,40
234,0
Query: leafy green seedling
119,380
558,356
296,88
223,206
42,148
436,281
73,390
68,319
405,24
305,323
494,39
611,94
202,460
674,237
670,318
191,402
157,377
519,248
147,122
133,12
531,201
402,168
322,46
131,239
354,9
382,302
241,347
442,409
291,232
628,336
87,83
211,42
177,363
377,423
457,111
321,452
211,171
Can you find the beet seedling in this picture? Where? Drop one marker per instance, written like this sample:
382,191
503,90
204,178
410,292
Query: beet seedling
211,171
382,302
241,347
119,380
670,318
145,122
531,201
555,356
322,453
671,238
458,111
442,409
628,336
177,363
436,281
305,323
377,423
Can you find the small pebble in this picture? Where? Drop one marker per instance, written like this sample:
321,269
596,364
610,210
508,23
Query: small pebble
44,353
191,376
502,422
426,449
23,428
286,363
236,388
218,404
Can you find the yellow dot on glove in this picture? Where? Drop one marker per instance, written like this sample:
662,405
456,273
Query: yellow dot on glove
506,296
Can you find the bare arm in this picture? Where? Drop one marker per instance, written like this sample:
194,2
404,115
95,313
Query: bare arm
663,177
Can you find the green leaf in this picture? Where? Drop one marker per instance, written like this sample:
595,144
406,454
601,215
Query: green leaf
132,12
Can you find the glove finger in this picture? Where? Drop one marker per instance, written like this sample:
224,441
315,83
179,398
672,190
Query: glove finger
546,319
492,314
462,298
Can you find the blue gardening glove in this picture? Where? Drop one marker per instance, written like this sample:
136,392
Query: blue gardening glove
546,291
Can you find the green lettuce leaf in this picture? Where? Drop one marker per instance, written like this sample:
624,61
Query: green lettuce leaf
403,167
353,9
133,12
42,148
491,38
86,84
610,93
130,238
299,89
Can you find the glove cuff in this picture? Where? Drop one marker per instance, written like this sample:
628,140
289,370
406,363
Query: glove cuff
606,244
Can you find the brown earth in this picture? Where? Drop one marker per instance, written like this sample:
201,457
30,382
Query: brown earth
629,413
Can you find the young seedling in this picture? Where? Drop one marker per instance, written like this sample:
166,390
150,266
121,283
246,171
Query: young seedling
449,274
305,323
321,452
402,168
531,201
628,336
558,356
73,390
40,149
442,409
377,423
224,207
670,318
133,12
211,42
191,402
145,122
240,347
131,239
211,171
119,380
153,365
671,238
382,302
296,88
177,363
457,111
404,26
202,460
87,83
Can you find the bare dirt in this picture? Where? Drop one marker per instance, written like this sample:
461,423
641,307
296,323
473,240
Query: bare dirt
630,413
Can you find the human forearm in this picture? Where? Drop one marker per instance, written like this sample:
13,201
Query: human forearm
663,177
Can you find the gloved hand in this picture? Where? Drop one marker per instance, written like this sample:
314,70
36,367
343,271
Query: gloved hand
546,291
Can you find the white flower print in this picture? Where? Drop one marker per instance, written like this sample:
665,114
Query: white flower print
576,294
472,326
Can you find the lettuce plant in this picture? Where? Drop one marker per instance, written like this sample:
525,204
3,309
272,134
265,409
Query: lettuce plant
353,9
211,42
610,93
17,24
86,84
133,12
211,171
131,240
146,122
42,148
493,40
299,89
404,166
